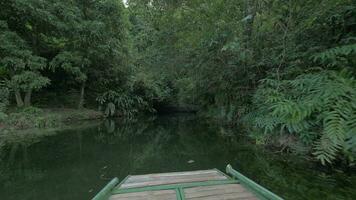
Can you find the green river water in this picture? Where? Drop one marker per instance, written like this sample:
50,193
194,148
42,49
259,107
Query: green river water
76,162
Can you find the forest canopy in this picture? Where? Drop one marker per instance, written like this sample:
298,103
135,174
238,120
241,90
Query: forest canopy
283,69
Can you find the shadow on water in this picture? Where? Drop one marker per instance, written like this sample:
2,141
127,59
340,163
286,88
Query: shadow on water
76,162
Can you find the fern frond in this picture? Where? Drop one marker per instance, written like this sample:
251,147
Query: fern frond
326,150
334,55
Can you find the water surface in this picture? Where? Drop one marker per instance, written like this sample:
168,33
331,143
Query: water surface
75,163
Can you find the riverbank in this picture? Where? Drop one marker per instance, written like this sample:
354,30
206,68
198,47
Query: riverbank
29,118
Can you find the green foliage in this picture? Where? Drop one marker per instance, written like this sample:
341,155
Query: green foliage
121,104
21,66
97,46
71,42
4,101
336,56
3,117
314,104
32,111
152,89
32,117
72,63
28,117
47,121
317,107
28,80
4,97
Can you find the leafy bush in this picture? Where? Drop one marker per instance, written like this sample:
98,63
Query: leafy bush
4,97
319,108
335,56
4,101
46,122
32,111
120,103
19,120
31,117
151,88
3,117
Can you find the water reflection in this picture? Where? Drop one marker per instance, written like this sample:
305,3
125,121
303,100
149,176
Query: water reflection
75,163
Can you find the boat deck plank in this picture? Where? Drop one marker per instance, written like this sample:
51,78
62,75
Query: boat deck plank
228,191
146,195
172,178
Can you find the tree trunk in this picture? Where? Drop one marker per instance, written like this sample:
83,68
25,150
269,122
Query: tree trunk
28,98
18,97
250,11
81,97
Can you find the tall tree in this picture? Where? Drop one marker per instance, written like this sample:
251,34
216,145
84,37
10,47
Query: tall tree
97,48
21,66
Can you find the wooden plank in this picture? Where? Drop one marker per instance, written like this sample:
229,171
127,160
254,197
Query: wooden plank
218,192
214,187
174,186
213,190
161,197
228,196
147,195
170,174
147,179
172,181
157,192
172,178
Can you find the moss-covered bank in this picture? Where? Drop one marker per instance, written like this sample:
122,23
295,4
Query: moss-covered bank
31,117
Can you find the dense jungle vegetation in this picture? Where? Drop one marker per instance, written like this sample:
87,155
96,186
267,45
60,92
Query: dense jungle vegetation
284,69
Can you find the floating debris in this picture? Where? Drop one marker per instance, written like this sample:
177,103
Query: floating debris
190,161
